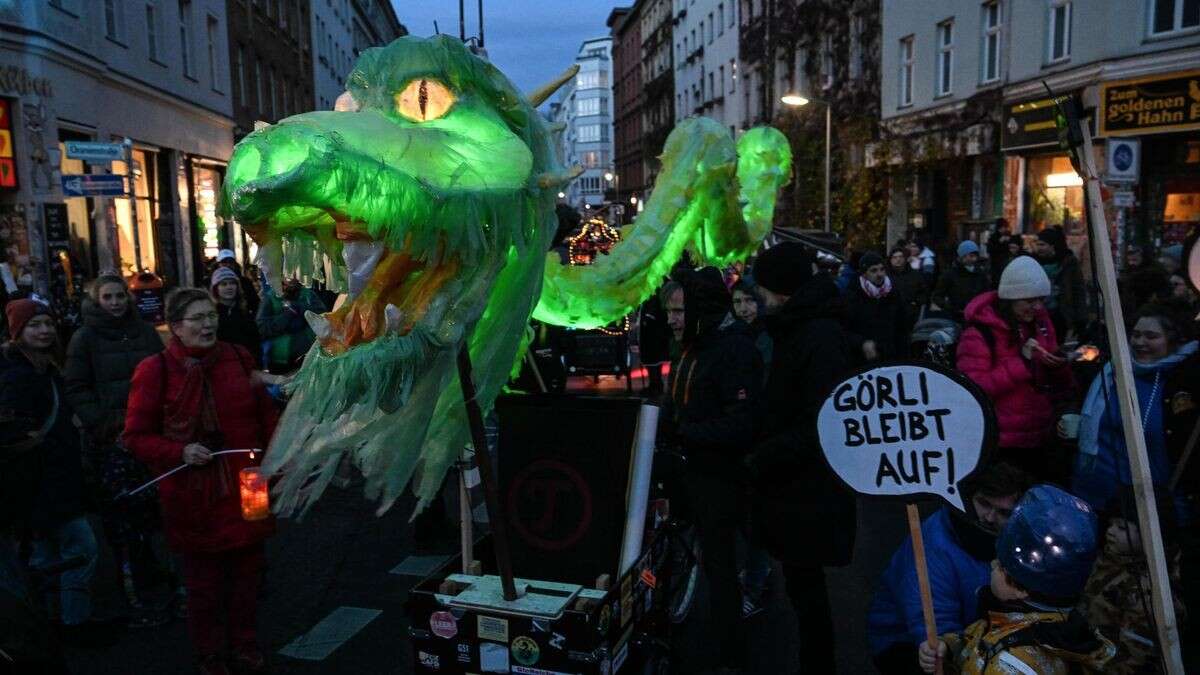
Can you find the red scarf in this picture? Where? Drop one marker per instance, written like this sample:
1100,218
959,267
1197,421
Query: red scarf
192,418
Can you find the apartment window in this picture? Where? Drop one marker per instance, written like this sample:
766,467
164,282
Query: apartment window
185,37
589,133
587,106
990,71
287,103
732,76
241,74
712,89
152,31
855,60
906,70
827,61
710,28
945,58
261,86
1060,30
721,19
274,94
212,52
112,20
721,71
1169,16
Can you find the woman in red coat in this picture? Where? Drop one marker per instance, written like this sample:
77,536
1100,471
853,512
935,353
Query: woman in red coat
1010,350
197,398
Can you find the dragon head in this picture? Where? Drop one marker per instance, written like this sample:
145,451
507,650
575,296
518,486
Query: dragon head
429,185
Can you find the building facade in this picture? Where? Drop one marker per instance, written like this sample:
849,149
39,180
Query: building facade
152,76
341,29
706,61
628,160
658,82
963,81
586,109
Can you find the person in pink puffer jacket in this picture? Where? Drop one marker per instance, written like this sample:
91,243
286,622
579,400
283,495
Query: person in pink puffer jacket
1010,350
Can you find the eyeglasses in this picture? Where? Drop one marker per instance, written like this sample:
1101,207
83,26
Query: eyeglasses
201,318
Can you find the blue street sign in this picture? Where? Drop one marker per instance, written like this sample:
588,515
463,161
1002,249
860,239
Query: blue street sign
95,152
93,185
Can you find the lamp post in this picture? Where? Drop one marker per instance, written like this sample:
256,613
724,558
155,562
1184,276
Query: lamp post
615,178
796,100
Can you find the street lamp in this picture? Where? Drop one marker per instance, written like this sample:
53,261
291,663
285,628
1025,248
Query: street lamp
615,178
796,100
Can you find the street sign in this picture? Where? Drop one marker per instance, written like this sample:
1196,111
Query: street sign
92,185
1123,159
1123,199
95,152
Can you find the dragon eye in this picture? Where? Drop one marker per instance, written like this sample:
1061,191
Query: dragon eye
423,100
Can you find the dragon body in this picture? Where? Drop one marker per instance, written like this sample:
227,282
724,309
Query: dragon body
430,200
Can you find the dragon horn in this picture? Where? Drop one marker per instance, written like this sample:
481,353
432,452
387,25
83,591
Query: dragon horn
538,96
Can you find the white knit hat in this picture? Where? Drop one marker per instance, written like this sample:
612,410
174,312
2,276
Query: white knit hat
1024,279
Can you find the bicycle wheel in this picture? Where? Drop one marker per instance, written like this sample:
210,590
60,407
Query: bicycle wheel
684,557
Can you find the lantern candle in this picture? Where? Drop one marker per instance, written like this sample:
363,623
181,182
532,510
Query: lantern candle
255,504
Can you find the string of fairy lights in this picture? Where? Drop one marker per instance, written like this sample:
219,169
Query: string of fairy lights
596,237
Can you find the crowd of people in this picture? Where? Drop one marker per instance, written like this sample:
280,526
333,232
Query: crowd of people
83,429
756,358
754,353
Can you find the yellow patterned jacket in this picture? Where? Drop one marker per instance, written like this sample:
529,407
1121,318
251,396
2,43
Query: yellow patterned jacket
1025,643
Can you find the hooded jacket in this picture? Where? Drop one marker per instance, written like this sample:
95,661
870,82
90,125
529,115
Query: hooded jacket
1102,466
247,418
715,386
806,515
955,577
1024,392
100,362
41,486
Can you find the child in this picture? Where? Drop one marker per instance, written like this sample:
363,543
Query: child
1117,597
1044,556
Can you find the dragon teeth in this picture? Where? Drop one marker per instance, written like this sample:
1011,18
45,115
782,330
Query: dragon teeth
361,257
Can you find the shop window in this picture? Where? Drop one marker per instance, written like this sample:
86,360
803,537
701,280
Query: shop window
1055,195
79,219
1181,208
209,225
135,223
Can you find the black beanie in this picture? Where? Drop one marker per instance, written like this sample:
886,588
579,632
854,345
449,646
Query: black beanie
869,260
1054,237
783,268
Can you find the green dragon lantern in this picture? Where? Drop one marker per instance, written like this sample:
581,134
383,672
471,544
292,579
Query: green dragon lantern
433,187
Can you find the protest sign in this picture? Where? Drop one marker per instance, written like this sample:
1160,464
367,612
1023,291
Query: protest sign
906,429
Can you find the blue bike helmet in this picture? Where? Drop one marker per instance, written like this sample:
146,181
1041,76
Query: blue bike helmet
1048,545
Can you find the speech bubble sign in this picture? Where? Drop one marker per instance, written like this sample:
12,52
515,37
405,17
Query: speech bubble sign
1191,261
904,429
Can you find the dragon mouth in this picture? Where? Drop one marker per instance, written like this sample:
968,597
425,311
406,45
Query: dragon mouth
390,291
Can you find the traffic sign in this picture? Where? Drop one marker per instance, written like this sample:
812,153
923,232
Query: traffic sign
95,152
91,185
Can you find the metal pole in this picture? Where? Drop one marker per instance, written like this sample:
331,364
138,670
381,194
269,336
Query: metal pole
462,22
491,489
828,115
481,24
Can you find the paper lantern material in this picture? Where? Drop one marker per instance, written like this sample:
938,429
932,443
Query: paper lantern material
256,503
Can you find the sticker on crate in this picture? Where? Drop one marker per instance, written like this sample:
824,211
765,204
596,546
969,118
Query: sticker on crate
525,650
443,624
492,628
429,660
493,658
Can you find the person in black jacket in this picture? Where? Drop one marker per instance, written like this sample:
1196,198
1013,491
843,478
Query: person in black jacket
960,284
802,514
710,403
41,464
875,310
100,362
237,325
909,283
654,343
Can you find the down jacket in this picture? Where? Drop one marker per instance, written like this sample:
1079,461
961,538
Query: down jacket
955,577
100,363
247,418
1025,393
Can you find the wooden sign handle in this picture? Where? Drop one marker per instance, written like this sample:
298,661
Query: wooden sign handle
918,544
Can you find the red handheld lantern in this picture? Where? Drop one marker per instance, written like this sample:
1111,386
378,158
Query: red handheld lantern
255,502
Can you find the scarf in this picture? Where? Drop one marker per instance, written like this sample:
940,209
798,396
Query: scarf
1096,400
192,418
873,291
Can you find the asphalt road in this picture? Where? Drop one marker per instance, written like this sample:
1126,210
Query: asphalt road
343,556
